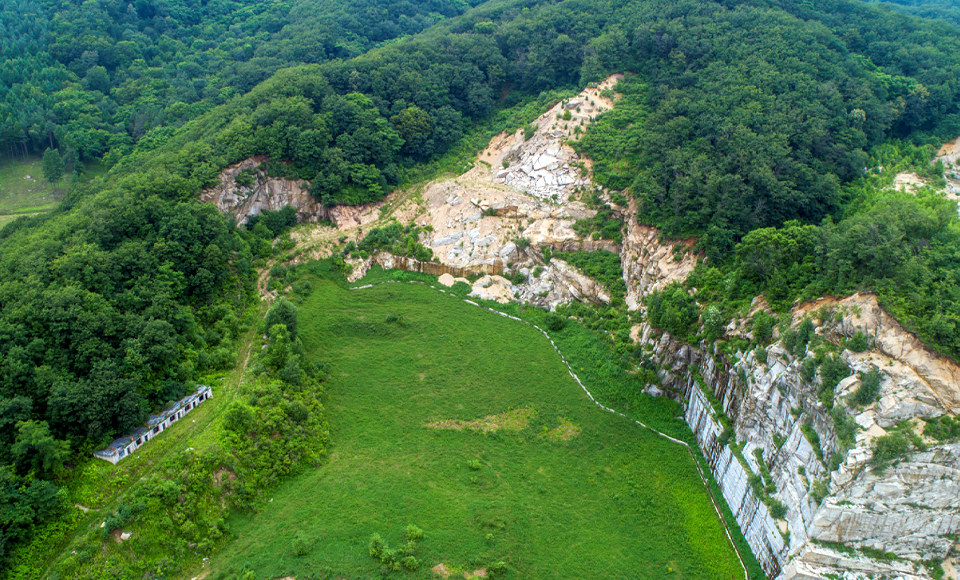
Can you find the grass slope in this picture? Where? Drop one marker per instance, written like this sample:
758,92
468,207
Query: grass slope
22,196
614,501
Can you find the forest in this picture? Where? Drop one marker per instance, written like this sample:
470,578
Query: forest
750,124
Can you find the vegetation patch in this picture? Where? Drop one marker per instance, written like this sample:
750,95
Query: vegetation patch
601,265
630,501
513,420
565,431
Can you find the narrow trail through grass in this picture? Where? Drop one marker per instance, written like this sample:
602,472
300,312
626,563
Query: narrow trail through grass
614,500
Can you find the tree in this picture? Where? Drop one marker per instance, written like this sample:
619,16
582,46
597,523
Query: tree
36,451
282,312
52,165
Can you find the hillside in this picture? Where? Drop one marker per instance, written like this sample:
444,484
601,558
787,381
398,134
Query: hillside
675,178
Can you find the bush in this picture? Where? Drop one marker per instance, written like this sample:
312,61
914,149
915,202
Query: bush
859,342
944,428
529,131
555,322
410,563
888,448
819,491
761,355
394,318
763,323
672,309
713,323
869,388
413,532
377,546
778,510
301,546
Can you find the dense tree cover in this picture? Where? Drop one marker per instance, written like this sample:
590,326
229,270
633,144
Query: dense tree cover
905,248
109,309
735,126
273,428
98,75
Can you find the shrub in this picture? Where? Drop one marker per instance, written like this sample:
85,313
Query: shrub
529,131
808,370
832,372
869,388
522,243
555,322
713,323
413,532
763,323
761,355
245,177
778,510
859,342
474,464
813,438
819,491
672,309
377,546
394,318
518,278
301,546
410,563
888,448
804,334
943,428
844,426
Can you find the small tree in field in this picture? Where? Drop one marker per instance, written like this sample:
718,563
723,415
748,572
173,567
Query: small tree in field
52,165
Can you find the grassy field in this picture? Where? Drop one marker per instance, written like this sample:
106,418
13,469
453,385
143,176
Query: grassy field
558,489
21,196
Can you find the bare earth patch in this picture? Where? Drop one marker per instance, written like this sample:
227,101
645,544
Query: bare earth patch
441,570
481,573
566,431
513,420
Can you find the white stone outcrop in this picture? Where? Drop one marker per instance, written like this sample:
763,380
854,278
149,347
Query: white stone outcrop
910,510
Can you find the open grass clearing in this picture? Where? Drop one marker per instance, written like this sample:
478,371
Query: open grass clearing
602,498
23,190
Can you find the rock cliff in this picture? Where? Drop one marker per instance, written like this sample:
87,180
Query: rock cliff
256,192
842,516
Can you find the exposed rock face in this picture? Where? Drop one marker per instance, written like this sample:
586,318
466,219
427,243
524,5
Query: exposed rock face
648,264
264,193
935,379
911,509
274,193
540,164
476,220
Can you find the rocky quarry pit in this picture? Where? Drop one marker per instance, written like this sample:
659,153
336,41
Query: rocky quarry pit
867,524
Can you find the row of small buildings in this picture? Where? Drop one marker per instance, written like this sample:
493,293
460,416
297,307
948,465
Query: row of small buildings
127,444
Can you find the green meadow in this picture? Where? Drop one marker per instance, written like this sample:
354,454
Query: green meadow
468,426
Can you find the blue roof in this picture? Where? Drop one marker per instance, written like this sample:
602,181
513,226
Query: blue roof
114,447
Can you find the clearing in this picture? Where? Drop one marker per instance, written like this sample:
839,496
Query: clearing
562,489
24,191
